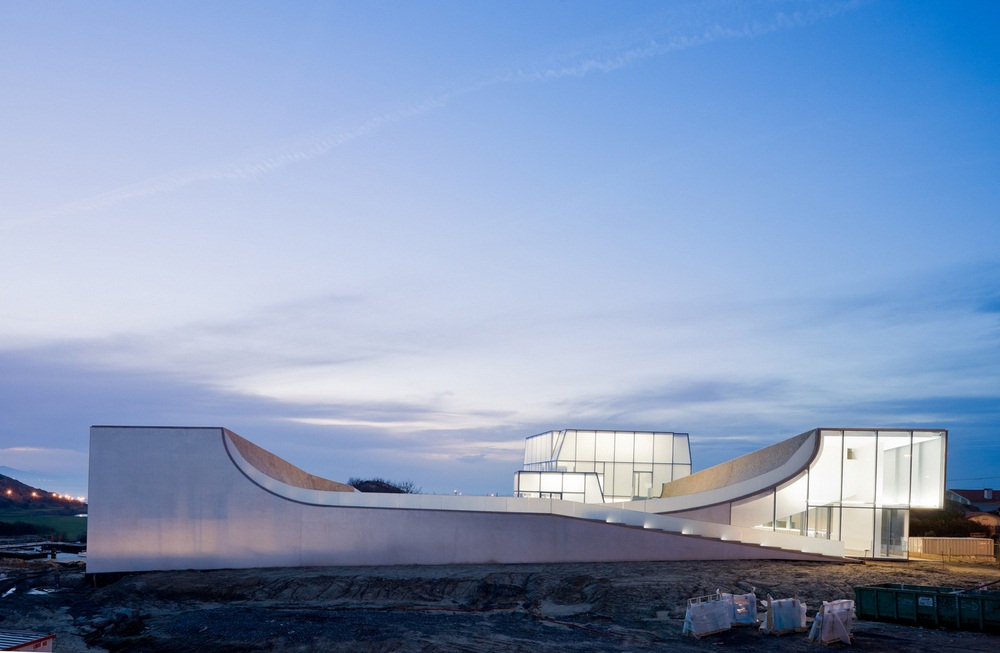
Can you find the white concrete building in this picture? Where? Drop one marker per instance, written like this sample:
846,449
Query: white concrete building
205,498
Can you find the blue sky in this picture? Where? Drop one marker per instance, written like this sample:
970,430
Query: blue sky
393,239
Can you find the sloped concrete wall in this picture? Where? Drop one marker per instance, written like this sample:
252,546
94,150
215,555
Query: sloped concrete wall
172,498
747,475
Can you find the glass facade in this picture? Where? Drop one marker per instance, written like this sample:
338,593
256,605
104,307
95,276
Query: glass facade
601,466
858,489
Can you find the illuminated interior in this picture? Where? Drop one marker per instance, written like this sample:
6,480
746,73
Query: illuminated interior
859,489
601,466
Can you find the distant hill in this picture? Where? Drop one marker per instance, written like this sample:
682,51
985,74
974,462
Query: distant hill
15,494
17,473
30,510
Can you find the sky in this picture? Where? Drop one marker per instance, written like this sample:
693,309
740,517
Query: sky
387,239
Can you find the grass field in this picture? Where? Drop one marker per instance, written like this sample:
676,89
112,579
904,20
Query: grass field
66,527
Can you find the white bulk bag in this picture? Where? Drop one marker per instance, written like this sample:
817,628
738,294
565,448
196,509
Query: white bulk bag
706,615
833,622
784,616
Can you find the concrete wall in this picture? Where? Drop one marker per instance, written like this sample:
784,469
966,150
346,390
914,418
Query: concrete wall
744,476
176,498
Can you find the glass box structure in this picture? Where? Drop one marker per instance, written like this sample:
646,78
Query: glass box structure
858,489
855,486
601,466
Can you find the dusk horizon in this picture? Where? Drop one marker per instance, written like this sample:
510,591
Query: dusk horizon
395,240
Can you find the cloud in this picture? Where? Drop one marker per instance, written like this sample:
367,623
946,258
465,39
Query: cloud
783,370
693,31
53,469
52,399
333,362
689,392
977,410
37,459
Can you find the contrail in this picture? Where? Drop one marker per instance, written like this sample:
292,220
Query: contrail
311,146
656,46
252,165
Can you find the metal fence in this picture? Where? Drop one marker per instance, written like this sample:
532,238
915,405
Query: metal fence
946,548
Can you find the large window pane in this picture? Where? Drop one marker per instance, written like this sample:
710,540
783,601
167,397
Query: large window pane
892,482
928,469
538,448
528,482
891,527
663,447
858,531
624,446
551,482
682,449
642,484
594,488
547,444
567,449
573,483
825,472
661,474
609,481
605,447
643,447
790,504
824,522
859,468
623,480
795,523
585,445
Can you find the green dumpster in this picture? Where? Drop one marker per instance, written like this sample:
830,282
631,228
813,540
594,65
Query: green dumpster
945,607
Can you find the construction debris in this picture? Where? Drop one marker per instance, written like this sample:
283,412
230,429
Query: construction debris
716,613
742,608
833,622
706,615
784,616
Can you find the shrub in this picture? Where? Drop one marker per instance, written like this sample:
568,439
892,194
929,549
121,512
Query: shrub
943,523
382,485
23,528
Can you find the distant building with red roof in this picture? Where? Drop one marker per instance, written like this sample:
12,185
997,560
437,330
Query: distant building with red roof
985,500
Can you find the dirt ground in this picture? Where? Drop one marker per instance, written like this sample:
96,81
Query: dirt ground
480,608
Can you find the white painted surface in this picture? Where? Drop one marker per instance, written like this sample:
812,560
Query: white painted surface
173,498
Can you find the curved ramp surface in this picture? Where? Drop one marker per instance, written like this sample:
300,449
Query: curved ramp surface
741,477
278,469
